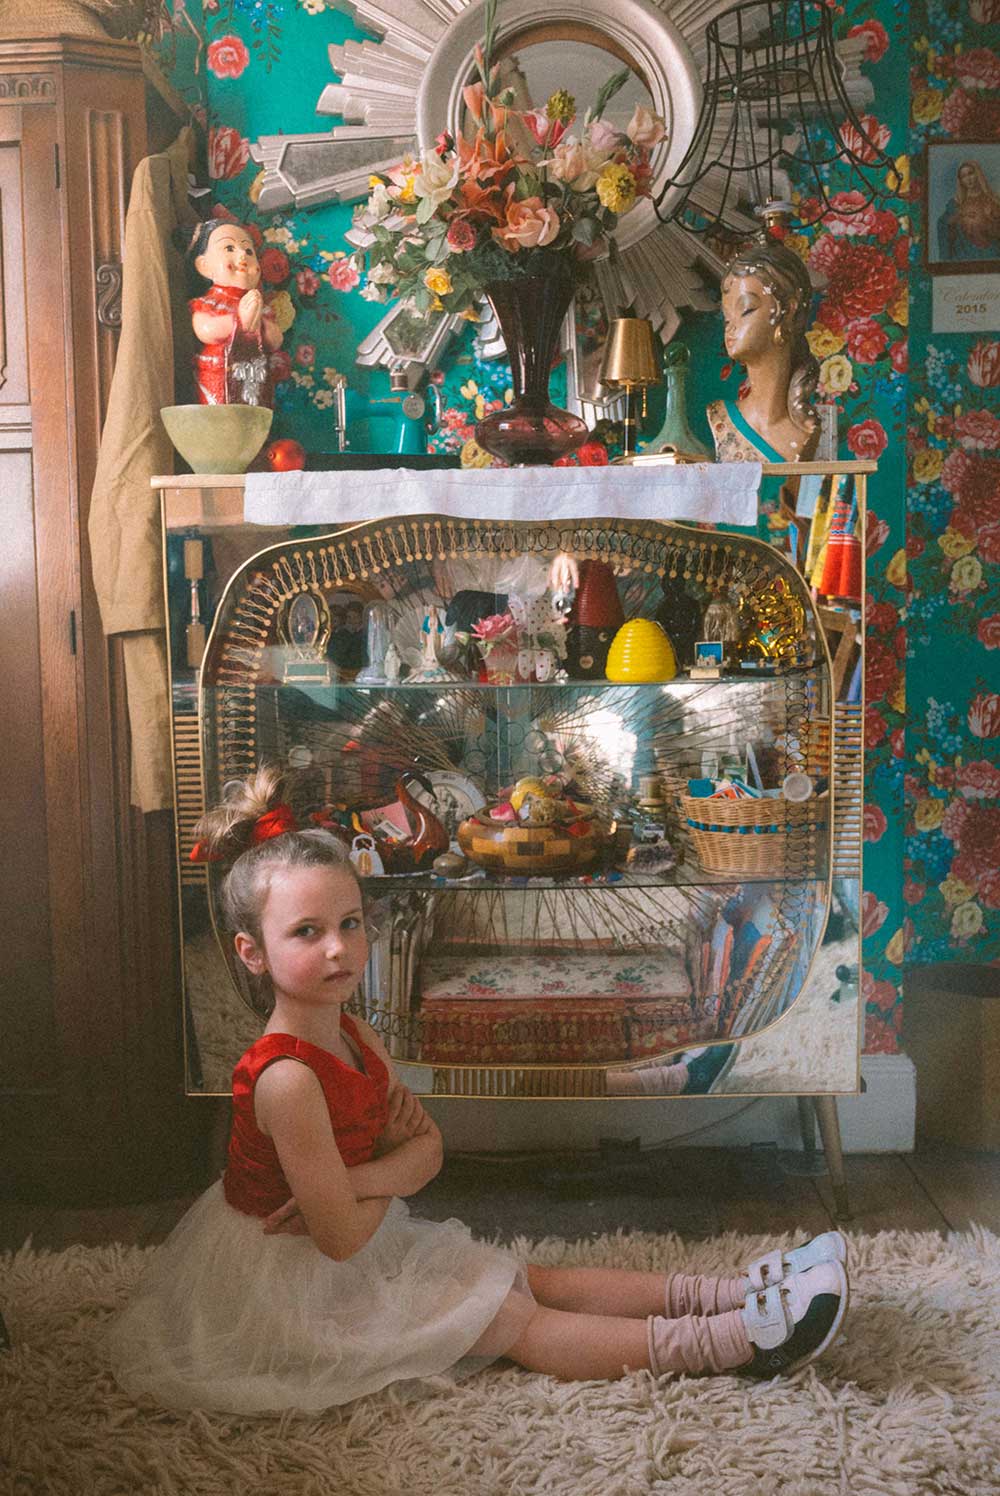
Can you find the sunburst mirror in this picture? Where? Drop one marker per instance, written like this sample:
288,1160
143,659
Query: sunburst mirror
398,93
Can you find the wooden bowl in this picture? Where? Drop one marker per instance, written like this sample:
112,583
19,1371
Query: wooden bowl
501,847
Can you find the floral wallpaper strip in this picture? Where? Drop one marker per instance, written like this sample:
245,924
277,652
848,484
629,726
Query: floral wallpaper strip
951,851
925,405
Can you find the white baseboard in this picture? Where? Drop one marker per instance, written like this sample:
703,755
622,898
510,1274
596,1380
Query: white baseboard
880,1120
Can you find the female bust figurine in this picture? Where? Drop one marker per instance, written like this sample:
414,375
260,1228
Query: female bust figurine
766,298
969,227
230,320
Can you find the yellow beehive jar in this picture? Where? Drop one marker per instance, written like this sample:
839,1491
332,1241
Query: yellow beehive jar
641,651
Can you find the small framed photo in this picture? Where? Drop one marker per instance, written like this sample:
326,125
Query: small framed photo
962,207
708,654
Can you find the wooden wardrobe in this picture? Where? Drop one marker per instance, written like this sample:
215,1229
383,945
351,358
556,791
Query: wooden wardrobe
91,1087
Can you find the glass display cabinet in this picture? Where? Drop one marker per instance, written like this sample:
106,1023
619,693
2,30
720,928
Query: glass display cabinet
578,886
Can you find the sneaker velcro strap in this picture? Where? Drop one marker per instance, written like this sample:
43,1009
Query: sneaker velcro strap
767,1317
767,1269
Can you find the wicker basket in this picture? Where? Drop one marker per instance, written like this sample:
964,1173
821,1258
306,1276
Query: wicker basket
754,836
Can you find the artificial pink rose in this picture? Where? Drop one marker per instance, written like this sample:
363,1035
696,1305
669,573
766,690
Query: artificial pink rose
280,365
529,224
979,780
873,914
343,274
955,816
307,282
545,131
863,143
876,533
989,889
866,340
984,364
899,356
984,715
461,236
875,823
988,632
305,355
645,128
228,153
876,727
978,430
604,137
978,68
227,57
274,266
876,39
867,439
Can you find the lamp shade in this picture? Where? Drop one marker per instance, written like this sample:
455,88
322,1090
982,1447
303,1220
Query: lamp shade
630,354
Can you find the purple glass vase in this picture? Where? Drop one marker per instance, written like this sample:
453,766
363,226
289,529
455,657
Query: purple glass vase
531,430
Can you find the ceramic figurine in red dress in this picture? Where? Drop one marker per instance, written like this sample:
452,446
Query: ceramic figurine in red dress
235,328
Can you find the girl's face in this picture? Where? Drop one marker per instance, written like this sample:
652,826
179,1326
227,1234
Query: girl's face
230,259
749,312
313,943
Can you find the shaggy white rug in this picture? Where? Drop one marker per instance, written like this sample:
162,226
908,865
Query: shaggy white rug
906,1403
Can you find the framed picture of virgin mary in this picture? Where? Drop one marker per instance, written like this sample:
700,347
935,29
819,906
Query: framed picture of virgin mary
962,207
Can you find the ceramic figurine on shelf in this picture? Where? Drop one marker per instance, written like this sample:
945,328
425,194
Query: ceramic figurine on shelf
766,300
430,670
230,320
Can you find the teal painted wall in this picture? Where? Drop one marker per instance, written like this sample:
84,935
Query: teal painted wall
932,821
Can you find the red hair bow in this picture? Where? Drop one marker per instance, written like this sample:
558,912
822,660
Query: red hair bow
272,823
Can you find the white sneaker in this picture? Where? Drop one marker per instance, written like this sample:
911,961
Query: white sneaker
791,1323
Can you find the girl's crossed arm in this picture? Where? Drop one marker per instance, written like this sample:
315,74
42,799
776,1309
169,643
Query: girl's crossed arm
291,1108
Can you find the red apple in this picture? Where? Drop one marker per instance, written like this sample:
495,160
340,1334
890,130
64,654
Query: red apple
285,455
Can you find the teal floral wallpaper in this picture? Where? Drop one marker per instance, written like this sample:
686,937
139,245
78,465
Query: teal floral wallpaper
925,404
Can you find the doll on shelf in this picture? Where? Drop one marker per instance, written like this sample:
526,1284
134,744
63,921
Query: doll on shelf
766,299
235,328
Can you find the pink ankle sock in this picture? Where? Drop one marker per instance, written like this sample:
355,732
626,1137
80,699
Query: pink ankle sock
698,1343
698,1294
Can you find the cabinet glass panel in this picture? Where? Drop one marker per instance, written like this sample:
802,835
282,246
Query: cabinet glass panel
613,928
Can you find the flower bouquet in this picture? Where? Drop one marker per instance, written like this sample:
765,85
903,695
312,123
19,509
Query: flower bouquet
516,213
496,637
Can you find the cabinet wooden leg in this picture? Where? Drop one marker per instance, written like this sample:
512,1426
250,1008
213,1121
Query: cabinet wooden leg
829,1131
807,1124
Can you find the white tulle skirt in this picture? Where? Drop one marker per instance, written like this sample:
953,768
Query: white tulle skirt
229,1319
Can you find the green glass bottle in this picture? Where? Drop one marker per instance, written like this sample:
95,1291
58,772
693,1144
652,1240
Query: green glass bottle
675,431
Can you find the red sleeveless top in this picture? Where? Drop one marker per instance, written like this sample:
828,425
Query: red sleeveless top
356,1100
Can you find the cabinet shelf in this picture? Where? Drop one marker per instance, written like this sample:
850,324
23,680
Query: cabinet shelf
692,877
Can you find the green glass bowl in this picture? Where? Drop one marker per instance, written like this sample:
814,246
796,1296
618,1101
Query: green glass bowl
217,438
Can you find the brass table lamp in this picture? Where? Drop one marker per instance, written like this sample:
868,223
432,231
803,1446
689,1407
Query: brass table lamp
630,363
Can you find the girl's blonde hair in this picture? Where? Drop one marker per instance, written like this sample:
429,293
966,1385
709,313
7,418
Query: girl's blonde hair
227,836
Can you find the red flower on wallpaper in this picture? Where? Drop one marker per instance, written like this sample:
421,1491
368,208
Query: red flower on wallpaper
978,430
876,533
343,274
978,844
984,715
306,282
863,145
988,543
884,994
876,727
227,57
974,482
971,115
989,889
867,439
876,39
978,68
280,365
875,823
954,819
228,153
984,362
881,669
988,632
867,340
984,12
851,215
275,266
882,616
979,780
873,913
861,280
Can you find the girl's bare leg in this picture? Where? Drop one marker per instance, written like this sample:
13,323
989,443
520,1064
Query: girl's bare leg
633,1295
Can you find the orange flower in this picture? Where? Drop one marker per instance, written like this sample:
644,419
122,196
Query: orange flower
475,97
529,223
478,202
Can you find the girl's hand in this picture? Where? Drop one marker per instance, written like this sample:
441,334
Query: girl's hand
406,1118
249,311
287,1220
